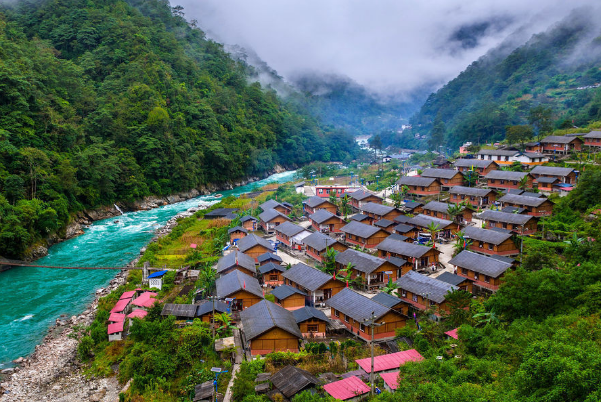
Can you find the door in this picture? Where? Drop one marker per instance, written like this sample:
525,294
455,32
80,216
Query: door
327,293
237,305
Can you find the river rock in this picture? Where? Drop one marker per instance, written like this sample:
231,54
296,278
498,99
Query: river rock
97,397
8,371
19,360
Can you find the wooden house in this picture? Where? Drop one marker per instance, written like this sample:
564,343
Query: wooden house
291,235
421,186
389,362
269,328
403,229
236,260
477,197
289,297
411,207
244,289
352,309
391,302
564,175
533,146
266,258
441,163
291,381
325,222
422,222
374,271
441,210
561,144
532,205
205,309
311,321
461,282
485,272
516,223
447,177
593,140
283,208
317,245
478,166
378,211
221,213
360,234
491,242
385,224
506,180
315,203
318,285
350,389
360,197
250,223
339,190
420,257
424,292
271,219
236,233
254,246
271,274
361,218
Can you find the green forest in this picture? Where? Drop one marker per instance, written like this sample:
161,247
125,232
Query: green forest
109,101
554,72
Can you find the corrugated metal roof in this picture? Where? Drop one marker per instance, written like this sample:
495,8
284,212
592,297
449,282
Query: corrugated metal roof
318,241
423,221
485,235
236,281
348,388
391,379
451,278
593,134
362,194
206,307
504,217
506,175
115,328
551,170
180,310
416,181
471,191
291,380
289,229
384,223
377,209
360,229
270,266
480,263
237,229
307,277
307,313
390,361
430,288
355,305
440,173
269,204
264,316
522,200
403,248
157,274
558,139
437,206
251,241
236,258
285,291
362,262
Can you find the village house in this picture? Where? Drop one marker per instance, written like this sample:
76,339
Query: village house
477,166
391,380
506,157
254,246
289,297
405,230
291,381
477,197
533,146
374,271
389,362
249,223
391,302
311,321
420,257
271,274
317,245
324,190
115,331
363,235
379,211
446,227
461,282
236,260
283,208
361,218
593,140
270,219
350,389
564,175
236,233
353,309
315,203
424,292
360,197
269,328
206,307
318,285
441,210
447,177
486,272
269,257
243,289
122,306
155,280
491,242
503,179
145,301
291,235
325,222
421,186
532,206
412,207
561,144
386,224
441,162
517,223
136,313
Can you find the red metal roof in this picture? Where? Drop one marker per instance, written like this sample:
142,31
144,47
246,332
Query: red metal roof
116,317
137,313
120,306
116,327
145,300
128,295
453,333
347,388
390,361
391,379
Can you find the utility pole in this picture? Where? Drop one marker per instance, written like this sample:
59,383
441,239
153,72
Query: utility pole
371,321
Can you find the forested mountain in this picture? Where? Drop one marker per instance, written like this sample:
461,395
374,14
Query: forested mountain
104,101
502,87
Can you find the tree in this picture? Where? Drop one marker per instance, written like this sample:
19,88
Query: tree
519,134
344,205
461,244
433,229
14,188
541,117
38,162
333,199
390,287
454,210
437,136
458,301
397,199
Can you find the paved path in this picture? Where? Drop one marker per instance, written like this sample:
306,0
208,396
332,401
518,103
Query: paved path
228,393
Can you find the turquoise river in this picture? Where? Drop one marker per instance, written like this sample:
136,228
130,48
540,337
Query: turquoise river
34,298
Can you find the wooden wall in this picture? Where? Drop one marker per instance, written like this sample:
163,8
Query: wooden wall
274,340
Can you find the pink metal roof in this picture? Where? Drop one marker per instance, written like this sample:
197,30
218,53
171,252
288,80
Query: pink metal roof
116,327
120,306
453,333
391,379
145,300
390,361
347,388
128,295
137,313
116,317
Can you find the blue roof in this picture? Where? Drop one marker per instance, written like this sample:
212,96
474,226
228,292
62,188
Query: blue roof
157,274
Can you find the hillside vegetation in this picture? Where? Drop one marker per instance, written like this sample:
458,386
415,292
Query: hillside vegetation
110,101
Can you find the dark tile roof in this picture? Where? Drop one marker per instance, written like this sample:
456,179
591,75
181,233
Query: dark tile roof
204,391
359,217
403,248
593,134
362,262
307,313
264,316
284,291
268,256
416,181
451,278
485,235
236,258
235,281
355,305
248,218
411,205
422,220
480,263
321,216
396,261
500,230
318,241
558,139
206,307
252,240
237,229
505,175
497,152
180,310
270,266
362,194
220,212
424,285
291,380
377,209
289,229
386,300
471,191
513,210
269,204
544,179
384,223
497,216
553,171
533,155
271,214
301,184
508,260
315,201
402,219
440,173
360,229
476,163
437,206
522,200
287,205
307,277
402,228
531,194
396,236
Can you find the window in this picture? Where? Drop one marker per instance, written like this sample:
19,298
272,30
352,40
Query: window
432,303
476,276
337,313
415,298
321,191
492,180
423,188
490,247
463,271
486,278
362,327
515,183
273,277
403,293
502,182
480,244
504,225
346,318
313,328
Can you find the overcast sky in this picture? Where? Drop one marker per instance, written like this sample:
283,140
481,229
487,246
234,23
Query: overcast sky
388,46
